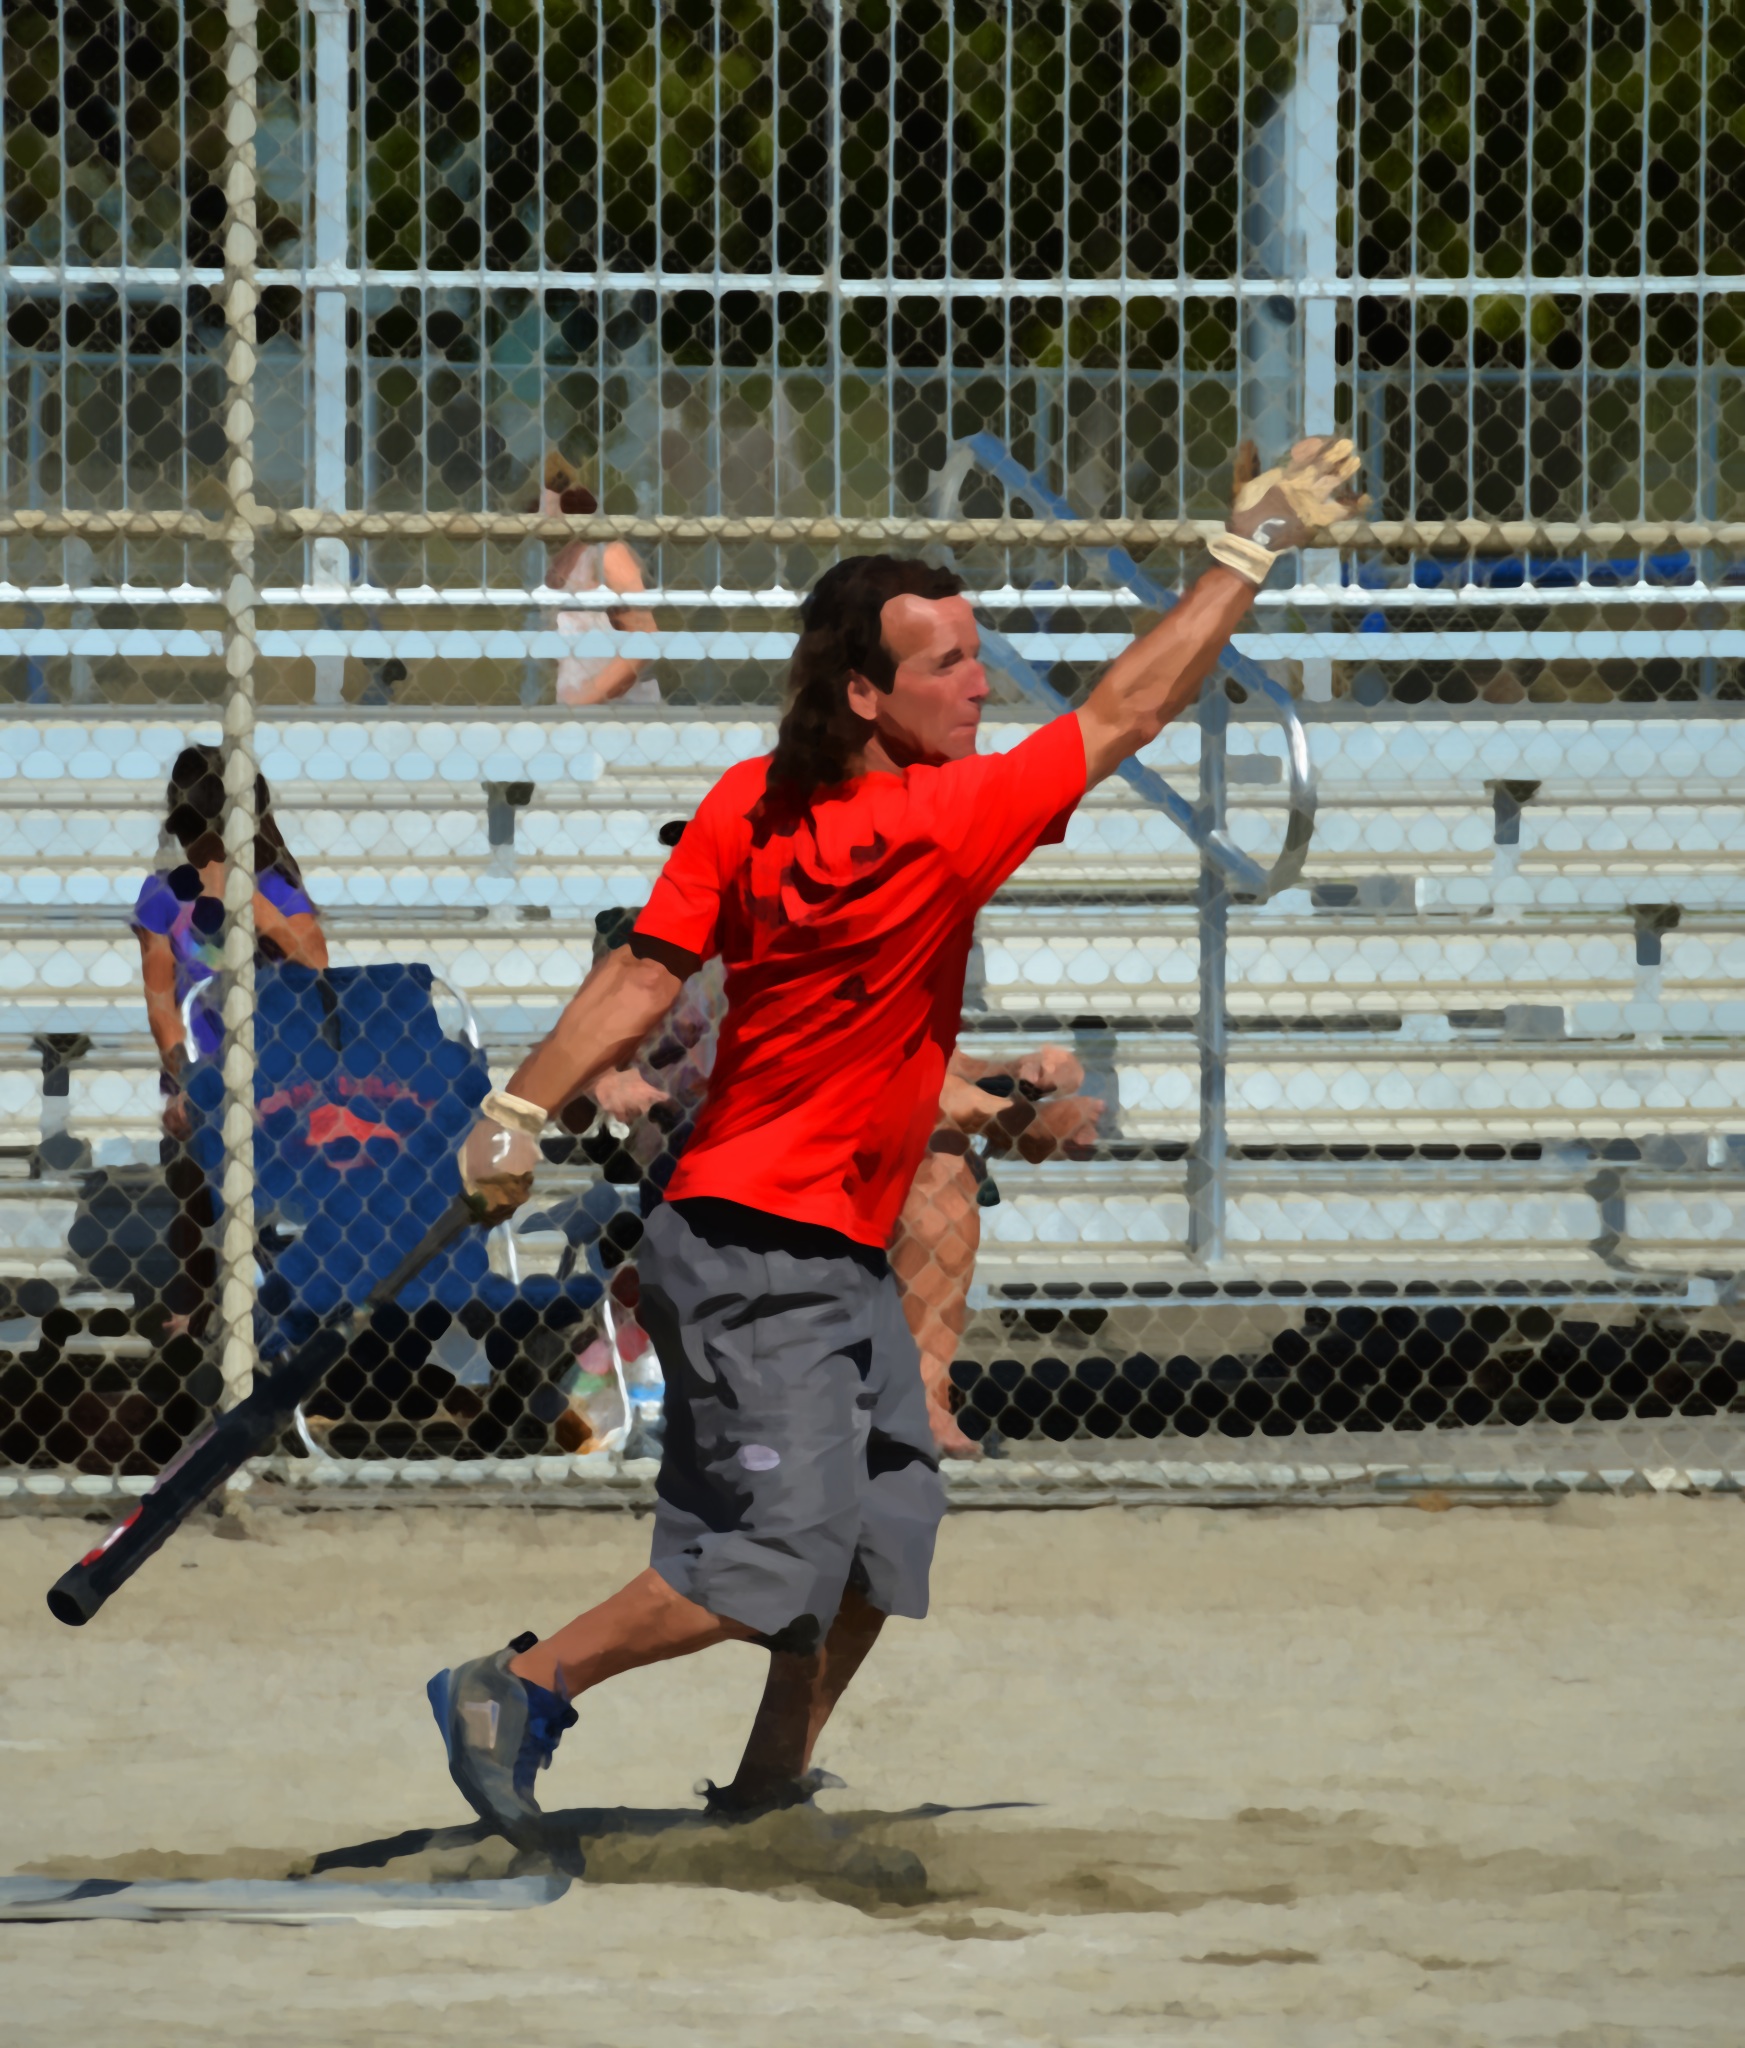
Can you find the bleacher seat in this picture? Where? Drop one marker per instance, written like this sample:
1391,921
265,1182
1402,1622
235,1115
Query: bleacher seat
1458,968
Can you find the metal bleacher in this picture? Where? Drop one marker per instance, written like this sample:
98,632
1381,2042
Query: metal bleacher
1515,950
1510,932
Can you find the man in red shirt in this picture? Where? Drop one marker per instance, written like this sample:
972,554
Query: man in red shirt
839,880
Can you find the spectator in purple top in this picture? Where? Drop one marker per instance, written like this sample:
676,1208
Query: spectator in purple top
179,917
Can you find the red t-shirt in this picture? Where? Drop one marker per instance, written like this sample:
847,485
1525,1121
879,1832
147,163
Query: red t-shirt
845,932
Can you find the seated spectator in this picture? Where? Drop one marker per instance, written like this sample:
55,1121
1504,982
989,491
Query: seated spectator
179,918
591,565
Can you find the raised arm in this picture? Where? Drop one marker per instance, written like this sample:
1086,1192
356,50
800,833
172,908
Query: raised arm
622,1000
1161,673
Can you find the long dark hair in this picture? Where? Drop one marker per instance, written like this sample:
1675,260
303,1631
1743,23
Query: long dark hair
196,812
839,637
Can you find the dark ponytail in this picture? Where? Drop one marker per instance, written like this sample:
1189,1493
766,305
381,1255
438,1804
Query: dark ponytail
839,637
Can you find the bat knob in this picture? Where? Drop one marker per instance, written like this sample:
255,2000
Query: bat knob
70,1599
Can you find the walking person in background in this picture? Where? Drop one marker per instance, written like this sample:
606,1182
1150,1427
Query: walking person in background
595,565
179,920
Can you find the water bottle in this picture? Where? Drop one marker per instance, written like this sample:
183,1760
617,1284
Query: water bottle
646,1385
593,1418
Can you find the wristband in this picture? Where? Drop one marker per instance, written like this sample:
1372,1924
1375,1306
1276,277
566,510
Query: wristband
514,1112
1247,557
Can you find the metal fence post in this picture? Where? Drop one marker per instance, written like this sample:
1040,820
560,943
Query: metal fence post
237,1246
1315,161
330,559
1209,1159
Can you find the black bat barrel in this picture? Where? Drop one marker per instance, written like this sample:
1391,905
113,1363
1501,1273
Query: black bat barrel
241,1433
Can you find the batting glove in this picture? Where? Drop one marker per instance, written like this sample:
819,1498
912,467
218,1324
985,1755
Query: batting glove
1288,506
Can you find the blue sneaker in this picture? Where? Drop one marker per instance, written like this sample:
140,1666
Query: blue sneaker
500,1733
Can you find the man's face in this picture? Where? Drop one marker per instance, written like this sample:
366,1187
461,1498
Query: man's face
934,707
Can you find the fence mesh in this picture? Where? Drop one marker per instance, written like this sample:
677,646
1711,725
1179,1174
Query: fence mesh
469,393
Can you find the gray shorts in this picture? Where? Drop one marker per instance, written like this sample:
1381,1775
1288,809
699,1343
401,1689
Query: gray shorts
798,1457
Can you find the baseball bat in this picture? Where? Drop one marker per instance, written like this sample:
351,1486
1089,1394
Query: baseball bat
231,1439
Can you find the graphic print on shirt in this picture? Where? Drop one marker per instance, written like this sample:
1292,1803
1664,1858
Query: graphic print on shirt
845,926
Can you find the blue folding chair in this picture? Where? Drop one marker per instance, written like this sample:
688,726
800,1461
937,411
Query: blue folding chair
361,1101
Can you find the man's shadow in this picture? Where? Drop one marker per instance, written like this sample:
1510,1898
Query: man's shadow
859,1858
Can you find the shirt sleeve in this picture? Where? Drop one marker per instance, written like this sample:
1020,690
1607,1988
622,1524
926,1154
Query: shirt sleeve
156,909
285,897
684,907
993,810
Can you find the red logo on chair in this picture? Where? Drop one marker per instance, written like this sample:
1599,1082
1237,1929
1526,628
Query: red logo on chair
329,1122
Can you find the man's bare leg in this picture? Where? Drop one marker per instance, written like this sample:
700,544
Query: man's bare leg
645,1622
799,1696
933,1256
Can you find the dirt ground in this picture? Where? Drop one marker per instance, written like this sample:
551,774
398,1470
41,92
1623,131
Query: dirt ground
1167,1775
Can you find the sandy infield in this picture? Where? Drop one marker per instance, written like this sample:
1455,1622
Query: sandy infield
1305,1777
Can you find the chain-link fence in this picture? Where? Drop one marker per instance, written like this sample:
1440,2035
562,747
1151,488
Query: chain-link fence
475,389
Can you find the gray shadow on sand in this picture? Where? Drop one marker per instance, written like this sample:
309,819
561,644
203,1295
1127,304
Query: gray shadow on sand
996,1856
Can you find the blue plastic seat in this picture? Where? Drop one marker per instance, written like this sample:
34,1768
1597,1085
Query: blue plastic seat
361,1101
